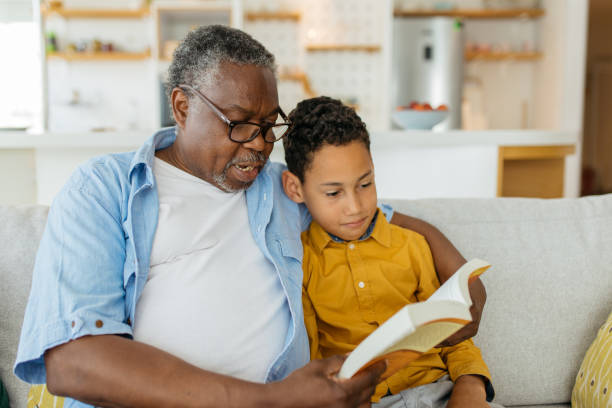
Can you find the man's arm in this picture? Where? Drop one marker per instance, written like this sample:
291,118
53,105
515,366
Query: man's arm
112,371
447,260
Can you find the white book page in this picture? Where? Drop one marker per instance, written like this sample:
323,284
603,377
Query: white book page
456,287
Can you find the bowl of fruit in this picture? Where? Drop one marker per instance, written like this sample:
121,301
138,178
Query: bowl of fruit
419,115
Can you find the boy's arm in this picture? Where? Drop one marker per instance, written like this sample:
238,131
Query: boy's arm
468,392
447,260
465,360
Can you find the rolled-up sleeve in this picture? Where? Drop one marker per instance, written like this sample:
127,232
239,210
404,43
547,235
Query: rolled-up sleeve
465,359
77,284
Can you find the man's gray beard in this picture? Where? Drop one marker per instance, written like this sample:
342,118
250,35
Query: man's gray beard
221,179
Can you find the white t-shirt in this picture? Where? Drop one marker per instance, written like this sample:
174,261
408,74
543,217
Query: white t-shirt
211,297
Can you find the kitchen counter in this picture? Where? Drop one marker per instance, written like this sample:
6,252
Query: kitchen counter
409,164
480,137
131,139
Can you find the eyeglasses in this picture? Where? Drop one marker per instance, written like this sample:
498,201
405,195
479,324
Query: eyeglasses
244,131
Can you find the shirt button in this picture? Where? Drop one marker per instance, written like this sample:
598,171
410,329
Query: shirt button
361,285
351,246
99,324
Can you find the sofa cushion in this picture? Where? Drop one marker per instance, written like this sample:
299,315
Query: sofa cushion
548,289
593,388
20,232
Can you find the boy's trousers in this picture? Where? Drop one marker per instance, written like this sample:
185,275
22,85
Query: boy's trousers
434,395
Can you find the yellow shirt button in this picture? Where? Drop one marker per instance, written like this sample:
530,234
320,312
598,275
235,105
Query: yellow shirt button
351,246
361,285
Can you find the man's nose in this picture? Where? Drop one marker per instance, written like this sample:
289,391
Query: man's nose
257,144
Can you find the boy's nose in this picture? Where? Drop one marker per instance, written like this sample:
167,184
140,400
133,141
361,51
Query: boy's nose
353,205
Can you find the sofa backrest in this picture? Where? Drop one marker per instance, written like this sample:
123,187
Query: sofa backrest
549,289
20,231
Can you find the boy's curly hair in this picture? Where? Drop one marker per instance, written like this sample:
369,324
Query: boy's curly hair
317,122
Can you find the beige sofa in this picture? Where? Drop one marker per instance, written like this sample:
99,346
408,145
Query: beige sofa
549,289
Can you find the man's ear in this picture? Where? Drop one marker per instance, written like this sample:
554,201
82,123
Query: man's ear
180,106
293,187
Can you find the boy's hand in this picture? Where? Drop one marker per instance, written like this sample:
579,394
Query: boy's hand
316,385
479,296
468,392
447,260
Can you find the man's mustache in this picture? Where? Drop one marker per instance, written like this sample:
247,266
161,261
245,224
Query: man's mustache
252,157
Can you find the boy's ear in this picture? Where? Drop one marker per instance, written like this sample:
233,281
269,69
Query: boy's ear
293,187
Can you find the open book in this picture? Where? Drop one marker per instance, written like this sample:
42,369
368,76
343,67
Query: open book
418,327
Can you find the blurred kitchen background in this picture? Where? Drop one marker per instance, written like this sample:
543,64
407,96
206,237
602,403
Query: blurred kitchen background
463,98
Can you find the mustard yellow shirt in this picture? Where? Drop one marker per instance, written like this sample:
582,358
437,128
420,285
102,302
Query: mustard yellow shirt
351,288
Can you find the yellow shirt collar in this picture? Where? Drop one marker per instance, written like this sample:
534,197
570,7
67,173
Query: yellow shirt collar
381,233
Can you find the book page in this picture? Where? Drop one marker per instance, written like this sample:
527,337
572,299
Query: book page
456,287
413,346
427,336
418,327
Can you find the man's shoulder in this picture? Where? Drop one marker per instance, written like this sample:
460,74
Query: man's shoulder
275,169
104,179
108,168
286,214
273,177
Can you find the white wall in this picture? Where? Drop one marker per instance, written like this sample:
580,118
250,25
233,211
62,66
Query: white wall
436,172
502,90
15,10
17,177
115,95
560,77
54,167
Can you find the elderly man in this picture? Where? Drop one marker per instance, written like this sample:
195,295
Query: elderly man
171,276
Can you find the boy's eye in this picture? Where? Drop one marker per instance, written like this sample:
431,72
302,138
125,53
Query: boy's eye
368,184
331,193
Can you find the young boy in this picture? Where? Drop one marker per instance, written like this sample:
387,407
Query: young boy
358,268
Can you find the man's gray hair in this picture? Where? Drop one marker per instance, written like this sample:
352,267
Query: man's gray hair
197,59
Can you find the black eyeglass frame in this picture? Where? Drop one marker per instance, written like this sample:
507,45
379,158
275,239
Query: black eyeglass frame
263,129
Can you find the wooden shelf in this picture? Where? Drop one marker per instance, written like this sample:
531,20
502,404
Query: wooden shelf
95,13
300,77
342,47
485,13
264,15
100,56
502,56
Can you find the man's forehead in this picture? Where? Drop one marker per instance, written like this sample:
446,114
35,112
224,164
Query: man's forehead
241,88
230,77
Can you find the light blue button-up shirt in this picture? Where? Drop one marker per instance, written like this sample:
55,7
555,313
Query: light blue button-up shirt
93,258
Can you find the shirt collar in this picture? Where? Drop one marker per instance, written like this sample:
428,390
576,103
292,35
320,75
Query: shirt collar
145,155
379,230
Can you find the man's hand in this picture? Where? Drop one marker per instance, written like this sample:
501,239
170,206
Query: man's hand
447,260
316,385
468,392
